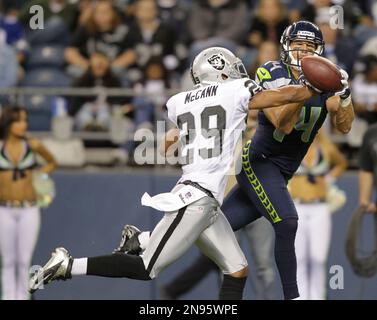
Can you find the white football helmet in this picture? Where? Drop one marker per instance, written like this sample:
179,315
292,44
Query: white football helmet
215,65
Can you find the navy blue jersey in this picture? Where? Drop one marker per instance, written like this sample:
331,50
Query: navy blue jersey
287,151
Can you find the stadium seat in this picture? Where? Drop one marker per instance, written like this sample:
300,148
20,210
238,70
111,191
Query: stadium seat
45,77
46,56
54,32
39,110
40,107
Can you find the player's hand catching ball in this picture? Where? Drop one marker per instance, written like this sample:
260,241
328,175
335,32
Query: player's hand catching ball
345,92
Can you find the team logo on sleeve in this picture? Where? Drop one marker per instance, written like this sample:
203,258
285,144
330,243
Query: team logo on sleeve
217,62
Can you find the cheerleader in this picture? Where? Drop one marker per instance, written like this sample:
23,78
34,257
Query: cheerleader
19,213
310,188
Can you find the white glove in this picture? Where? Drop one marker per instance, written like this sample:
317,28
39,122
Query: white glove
345,92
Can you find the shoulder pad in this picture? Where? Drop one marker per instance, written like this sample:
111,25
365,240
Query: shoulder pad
271,70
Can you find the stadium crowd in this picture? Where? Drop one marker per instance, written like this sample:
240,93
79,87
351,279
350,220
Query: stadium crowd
146,45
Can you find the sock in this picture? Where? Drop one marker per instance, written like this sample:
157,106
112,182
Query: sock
285,256
118,266
232,288
79,267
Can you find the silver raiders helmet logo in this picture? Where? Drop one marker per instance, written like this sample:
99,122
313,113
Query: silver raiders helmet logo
217,61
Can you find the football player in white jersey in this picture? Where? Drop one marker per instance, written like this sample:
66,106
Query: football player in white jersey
209,122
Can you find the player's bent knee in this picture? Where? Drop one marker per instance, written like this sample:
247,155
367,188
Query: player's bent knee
241,273
286,227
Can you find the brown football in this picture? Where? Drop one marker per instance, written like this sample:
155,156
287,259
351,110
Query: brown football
321,73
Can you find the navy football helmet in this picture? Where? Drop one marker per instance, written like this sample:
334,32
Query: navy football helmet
301,30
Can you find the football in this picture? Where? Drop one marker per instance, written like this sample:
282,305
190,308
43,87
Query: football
321,73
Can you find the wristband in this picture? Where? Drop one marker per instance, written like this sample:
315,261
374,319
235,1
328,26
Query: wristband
344,103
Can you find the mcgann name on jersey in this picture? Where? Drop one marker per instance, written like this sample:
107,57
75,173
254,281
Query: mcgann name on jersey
206,92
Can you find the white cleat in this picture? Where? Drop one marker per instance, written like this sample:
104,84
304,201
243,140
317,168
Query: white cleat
57,268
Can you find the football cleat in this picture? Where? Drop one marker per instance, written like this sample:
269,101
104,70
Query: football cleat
57,268
129,243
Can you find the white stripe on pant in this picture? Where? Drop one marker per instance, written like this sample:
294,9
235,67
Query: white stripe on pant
19,229
312,247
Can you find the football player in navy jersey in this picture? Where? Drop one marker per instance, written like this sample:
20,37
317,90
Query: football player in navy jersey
281,141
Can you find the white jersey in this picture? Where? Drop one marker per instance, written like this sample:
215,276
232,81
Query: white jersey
211,120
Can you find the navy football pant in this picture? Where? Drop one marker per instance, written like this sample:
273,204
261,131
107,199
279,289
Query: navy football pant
262,191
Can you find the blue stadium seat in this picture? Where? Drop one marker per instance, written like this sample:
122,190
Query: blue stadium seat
45,77
54,32
46,56
40,111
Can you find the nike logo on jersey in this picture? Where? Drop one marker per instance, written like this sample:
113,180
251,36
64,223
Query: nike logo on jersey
204,93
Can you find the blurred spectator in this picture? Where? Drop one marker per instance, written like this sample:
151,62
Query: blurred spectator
295,9
154,83
93,113
14,29
269,22
225,19
17,4
310,188
338,48
368,169
367,15
52,8
85,8
8,64
13,32
315,8
364,89
174,13
152,38
267,51
356,14
103,31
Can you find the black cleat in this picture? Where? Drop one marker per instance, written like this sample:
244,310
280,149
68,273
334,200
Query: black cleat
129,243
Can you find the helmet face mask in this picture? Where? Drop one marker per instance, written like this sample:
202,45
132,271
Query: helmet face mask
216,65
302,31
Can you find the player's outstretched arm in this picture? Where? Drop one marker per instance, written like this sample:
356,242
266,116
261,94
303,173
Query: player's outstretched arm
281,96
284,117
